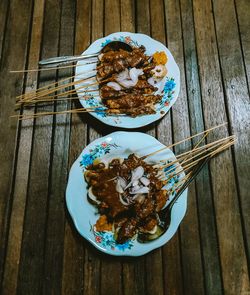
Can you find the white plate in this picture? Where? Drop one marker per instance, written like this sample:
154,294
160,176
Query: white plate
84,215
171,83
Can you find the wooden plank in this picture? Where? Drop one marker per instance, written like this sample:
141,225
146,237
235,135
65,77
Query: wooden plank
238,105
23,164
17,34
231,247
74,254
171,260
53,259
192,271
30,279
209,242
242,8
4,12
153,260
91,260
127,16
109,265
133,278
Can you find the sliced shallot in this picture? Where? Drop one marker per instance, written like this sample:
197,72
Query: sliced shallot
145,181
134,73
114,85
122,75
141,190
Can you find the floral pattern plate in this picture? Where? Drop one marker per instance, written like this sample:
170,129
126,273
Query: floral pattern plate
170,85
85,215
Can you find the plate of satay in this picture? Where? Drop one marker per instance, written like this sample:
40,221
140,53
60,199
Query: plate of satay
117,189
128,87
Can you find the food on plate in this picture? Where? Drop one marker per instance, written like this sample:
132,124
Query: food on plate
128,194
128,80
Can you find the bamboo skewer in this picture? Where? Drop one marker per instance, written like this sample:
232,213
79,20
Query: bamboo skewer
47,99
179,185
206,147
50,85
53,97
211,154
180,164
80,110
50,69
50,91
57,98
74,90
183,140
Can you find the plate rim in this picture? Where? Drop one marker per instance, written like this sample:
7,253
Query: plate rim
86,237
158,114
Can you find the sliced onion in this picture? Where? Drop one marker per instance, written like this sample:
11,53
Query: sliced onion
118,188
152,81
141,190
145,181
134,73
92,196
122,181
100,56
122,75
127,83
122,201
137,173
114,85
135,188
153,231
135,183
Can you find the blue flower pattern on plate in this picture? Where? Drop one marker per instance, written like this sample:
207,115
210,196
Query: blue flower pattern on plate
106,239
168,92
99,150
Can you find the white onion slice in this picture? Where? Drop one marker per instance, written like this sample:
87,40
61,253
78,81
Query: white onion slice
134,73
100,56
122,75
122,201
127,83
122,181
152,81
153,230
141,190
145,181
92,196
114,85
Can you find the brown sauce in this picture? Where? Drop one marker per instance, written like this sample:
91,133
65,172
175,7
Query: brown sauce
138,215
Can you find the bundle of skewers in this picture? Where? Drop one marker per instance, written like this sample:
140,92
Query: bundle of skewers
124,82
131,193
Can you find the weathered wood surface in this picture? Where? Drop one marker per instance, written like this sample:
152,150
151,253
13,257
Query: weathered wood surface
40,250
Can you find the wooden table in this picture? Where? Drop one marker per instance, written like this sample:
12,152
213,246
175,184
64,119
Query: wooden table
40,250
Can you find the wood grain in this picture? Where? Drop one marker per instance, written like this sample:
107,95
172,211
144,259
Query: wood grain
233,259
23,163
190,241
238,106
40,250
16,40
35,222
208,236
73,281
242,13
53,257
4,9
